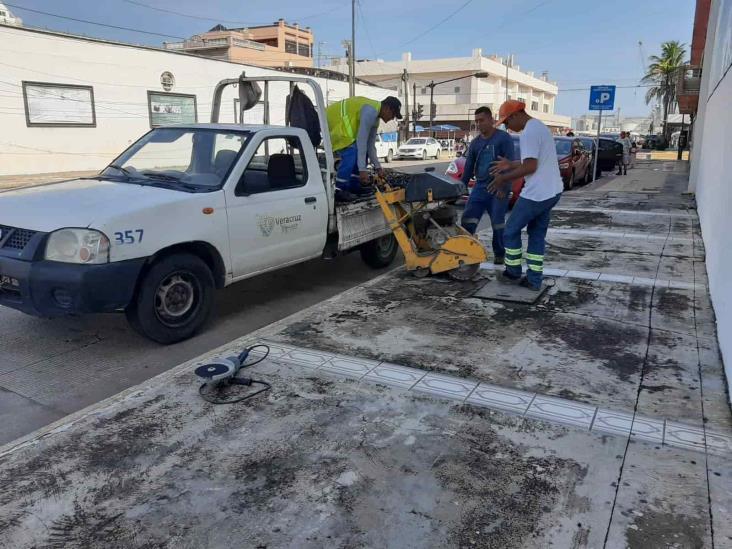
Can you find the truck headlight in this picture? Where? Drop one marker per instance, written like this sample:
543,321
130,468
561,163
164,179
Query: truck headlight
451,169
563,166
83,246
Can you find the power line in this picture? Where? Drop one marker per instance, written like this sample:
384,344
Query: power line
442,21
94,22
219,20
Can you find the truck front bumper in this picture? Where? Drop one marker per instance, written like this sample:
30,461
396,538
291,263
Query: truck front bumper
48,288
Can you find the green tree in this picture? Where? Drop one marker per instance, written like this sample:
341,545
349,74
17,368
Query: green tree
662,74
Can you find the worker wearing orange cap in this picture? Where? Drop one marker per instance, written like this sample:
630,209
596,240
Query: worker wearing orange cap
543,188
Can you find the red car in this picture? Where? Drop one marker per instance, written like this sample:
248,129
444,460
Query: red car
574,161
457,167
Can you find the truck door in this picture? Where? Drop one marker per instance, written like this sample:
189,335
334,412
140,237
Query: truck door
277,209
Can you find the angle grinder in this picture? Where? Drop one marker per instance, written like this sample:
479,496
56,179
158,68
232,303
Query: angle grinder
220,373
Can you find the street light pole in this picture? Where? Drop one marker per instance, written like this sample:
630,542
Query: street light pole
432,108
432,85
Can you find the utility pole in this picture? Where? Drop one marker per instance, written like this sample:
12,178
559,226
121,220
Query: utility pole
405,87
352,68
320,54
432,108
414,101
349,53
507,76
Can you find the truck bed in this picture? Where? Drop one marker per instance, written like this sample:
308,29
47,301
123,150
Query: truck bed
359,222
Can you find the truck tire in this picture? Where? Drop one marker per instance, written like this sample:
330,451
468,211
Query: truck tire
379,253
424,154
174,299
389,156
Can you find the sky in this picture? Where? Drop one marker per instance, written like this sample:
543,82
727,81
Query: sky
580,43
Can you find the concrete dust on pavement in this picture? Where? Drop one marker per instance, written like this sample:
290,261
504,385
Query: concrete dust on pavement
408,413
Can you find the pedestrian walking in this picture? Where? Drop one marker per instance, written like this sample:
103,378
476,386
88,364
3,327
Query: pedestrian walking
543,188
484,150
624,140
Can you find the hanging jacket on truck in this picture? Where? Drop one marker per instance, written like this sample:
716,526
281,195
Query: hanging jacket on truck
301,113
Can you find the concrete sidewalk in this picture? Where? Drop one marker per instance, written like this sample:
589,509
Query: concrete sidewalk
408,413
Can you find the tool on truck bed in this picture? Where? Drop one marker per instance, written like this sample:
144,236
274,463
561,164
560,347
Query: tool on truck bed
420,210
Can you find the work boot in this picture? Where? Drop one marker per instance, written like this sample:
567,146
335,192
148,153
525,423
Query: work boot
508,277
499,260
526,284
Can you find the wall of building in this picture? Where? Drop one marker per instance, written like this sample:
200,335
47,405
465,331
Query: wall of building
456,107
712,166
121,77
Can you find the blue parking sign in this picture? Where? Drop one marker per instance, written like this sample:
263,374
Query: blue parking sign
602,98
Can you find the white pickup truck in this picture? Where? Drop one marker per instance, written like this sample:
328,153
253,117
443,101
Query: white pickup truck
185,210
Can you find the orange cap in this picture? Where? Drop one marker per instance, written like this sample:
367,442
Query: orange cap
508,108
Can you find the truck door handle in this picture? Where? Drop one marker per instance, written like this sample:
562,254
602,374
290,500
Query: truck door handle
310,200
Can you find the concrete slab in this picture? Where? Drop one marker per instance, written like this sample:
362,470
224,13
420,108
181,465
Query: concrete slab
648,511
312,463
500,290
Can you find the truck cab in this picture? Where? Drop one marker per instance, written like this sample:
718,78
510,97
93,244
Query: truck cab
185,210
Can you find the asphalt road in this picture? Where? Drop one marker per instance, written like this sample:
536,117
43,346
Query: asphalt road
50,368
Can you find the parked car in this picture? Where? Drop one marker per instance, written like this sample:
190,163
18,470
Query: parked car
610,153
419,147
655,142
574,161
385,150
456,168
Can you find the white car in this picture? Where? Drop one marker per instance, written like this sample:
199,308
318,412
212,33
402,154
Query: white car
385,150
419,147
185,210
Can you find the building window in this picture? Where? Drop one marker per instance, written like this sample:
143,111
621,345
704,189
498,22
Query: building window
457,89
534,105
171,108
303,49
48,104
509,97
424,91
290,46
521,99
546,108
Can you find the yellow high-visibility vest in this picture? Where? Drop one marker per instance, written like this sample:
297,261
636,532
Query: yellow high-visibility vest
344,118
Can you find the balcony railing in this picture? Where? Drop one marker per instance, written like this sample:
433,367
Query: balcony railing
224,42
689,80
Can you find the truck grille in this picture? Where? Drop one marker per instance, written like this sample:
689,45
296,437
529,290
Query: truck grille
14,238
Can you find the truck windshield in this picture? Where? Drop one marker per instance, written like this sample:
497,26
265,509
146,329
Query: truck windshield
184,157
564,148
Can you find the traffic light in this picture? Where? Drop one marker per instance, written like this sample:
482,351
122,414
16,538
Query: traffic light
419,113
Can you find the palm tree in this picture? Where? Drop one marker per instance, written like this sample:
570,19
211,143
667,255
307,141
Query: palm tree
662,74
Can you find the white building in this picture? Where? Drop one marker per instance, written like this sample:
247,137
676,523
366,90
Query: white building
711,166
71,103
7,17
613,123
456,101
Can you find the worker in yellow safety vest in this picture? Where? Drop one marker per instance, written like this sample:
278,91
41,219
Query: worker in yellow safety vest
353,124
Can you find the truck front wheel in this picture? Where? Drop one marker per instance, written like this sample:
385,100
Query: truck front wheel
379,253
174,299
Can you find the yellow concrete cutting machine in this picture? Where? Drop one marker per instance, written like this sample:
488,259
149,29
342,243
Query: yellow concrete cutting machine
420,209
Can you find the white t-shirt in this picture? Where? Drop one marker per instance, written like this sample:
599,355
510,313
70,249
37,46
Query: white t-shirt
537,142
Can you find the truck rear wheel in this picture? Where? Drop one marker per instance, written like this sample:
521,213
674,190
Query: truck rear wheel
174,299
379,253
389,156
